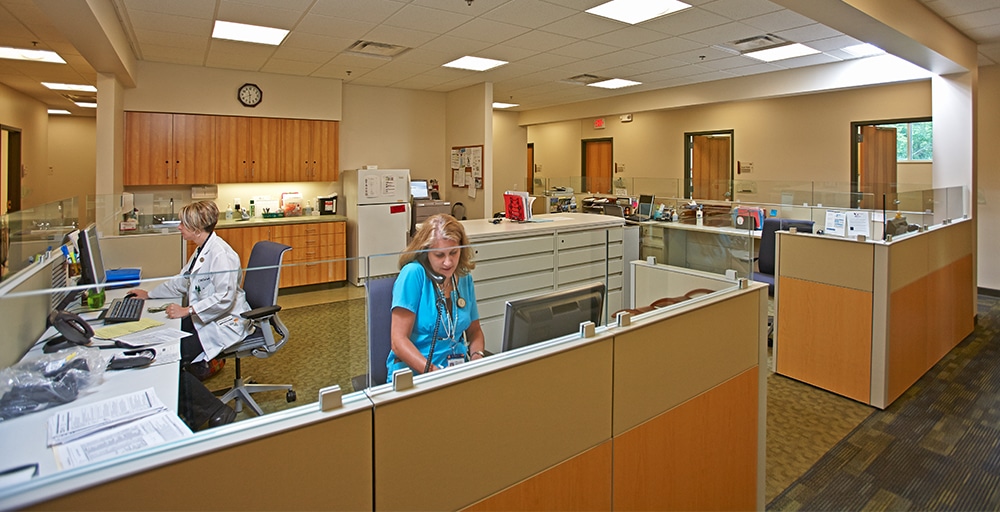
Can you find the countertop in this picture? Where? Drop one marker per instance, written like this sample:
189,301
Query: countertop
258,221
484,229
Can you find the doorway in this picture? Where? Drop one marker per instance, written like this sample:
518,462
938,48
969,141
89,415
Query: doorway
598,158
10,169
708,164
873,164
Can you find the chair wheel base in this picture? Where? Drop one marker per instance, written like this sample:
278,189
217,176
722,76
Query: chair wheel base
290,396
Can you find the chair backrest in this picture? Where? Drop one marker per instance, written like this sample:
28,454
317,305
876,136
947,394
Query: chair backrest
765,255
379,326
802,226
260,283
614,209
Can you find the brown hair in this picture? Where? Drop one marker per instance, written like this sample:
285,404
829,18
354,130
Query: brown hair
200,216
436,228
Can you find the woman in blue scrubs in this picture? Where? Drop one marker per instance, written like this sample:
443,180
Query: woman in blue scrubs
435,319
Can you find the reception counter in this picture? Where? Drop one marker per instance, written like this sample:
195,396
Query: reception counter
867,319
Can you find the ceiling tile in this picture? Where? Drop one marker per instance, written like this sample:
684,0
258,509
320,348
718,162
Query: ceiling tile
629,36
542,13
684,22
372,11
289,67
426,19
264,16
327,25
780,20
721,34
584,50
808,33
190,8
540,40
402,36
455,46
582,26
488,30
740,9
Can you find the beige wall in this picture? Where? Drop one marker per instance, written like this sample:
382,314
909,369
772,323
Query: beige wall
989,177
510,156
470,123
72,159
20,112
797,138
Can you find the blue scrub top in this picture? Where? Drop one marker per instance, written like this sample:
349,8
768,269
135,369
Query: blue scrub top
414,291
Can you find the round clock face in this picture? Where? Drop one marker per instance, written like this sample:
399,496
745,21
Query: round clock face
250,95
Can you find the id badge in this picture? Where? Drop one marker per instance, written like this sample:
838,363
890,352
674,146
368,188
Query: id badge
455,360
233,322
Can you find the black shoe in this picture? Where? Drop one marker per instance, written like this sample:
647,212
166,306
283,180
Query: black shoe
223,416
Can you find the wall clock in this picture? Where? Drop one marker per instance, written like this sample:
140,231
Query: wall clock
249,95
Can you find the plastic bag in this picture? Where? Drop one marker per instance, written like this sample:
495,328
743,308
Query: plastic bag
48,380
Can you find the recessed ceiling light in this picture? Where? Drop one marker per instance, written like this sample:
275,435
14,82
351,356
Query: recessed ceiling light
58,111
782,52
863,50
637,11
474,63
614,83
248,33
70,87
85,105
30,55
497,104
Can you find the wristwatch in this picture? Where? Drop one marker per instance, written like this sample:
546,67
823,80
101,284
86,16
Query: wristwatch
190,310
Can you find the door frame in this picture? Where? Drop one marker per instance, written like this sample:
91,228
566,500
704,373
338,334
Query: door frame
689,146
583,157
13,158
853,141
530,185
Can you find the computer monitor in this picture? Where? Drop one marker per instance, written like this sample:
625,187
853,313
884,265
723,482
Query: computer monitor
419,190
91,261
646,205
551,315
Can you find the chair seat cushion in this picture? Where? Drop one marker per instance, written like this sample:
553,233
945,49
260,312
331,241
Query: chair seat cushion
765,278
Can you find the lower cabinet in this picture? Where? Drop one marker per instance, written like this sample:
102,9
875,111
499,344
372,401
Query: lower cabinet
317,255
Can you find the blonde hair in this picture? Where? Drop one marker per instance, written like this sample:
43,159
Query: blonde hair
200,216
436,228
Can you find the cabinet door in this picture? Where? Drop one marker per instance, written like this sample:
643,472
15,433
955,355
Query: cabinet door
232,149
148,142
295,146
265,149
325,142
194,149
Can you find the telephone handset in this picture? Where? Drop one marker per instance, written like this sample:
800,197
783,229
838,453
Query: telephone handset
73,330
436,278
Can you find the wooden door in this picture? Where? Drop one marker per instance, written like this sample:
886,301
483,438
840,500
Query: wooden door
232,149
148,149
597,165
711,166
194,149
877,167
529,179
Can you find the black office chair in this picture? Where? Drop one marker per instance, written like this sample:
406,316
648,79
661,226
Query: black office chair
260,283
379,313
458,211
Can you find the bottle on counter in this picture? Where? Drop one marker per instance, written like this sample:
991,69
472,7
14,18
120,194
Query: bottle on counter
236,202
308,210
253,212
229,212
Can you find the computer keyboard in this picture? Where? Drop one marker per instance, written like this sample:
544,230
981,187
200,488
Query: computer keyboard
128,309
637,218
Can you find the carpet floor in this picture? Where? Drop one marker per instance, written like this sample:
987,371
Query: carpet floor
937,447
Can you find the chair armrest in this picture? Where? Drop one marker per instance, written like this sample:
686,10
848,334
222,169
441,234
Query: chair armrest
262,312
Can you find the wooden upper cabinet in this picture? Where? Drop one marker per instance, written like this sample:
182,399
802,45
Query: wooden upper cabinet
310,150
169,149
248,149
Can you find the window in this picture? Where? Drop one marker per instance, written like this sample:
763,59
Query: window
914,141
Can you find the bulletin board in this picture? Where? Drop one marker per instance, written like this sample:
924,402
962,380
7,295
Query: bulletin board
467,166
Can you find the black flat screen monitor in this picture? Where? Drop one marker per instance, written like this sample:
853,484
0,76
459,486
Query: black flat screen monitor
552,315
91,261
419,190
646,205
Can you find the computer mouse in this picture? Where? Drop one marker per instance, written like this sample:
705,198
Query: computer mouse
129,295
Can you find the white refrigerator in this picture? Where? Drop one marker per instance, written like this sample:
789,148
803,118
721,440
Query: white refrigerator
378,220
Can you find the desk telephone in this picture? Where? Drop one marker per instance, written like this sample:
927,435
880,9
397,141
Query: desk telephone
73,330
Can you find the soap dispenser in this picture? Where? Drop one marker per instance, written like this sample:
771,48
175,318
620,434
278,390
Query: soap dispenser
229,212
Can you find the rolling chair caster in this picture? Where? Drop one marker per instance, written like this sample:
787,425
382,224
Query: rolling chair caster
290,396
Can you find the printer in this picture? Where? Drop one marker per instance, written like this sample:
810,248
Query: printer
423,206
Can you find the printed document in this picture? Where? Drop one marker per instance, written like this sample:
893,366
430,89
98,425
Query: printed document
147,432
84,420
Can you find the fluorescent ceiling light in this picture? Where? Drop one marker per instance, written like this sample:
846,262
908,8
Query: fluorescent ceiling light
58,111
85,105
782,52
248,33
614,83
474,63
497,104
637,11
863,50
70,87
30,55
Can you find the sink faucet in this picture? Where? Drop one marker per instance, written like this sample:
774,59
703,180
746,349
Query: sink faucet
171,208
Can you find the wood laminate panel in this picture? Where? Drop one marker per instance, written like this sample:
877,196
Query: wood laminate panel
580,483
667,362
824,336
907,355
953,314
445,448
908,261
701,455
331,469
837,262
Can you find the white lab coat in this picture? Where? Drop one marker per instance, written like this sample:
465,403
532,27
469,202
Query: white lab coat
213,290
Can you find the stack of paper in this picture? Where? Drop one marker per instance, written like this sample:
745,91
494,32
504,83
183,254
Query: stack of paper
162,427
84,420
517,205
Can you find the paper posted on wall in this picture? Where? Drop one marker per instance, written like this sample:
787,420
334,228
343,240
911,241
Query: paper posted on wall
517,205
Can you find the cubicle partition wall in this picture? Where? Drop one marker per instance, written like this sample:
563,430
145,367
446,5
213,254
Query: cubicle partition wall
865,319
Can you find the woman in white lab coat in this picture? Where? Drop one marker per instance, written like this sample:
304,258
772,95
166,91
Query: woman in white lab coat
211,308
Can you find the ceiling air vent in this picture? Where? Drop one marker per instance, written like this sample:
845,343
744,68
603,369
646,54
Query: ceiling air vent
583,79
377,50
752,44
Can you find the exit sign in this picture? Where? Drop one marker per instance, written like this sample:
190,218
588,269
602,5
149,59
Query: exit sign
599,123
